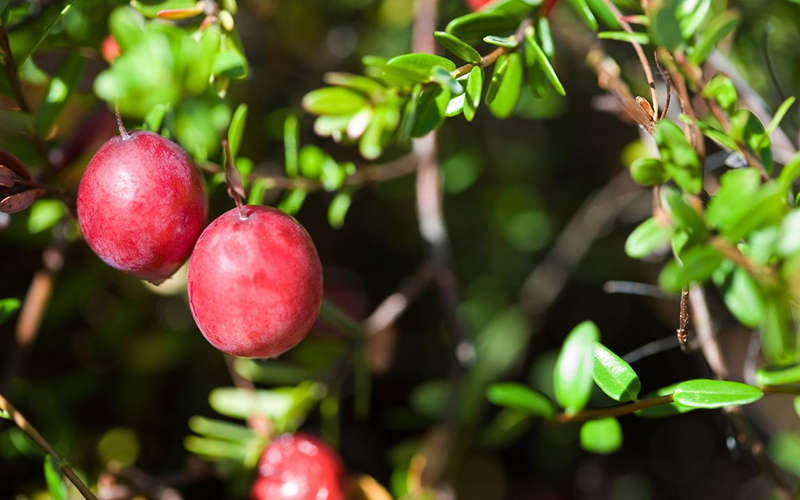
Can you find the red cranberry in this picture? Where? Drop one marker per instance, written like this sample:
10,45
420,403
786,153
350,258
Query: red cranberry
476,5
299,467
109,49
141,205
255,282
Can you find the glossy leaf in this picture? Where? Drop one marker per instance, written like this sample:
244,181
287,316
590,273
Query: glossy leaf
703,393
456,106
473,93
732,200
722,89
336,101
743,297
699,263
473,27
776,119
665,410
545,37
542,60
614,375
664,27
458,47
777,331
719,27
521,398
243,403
603,436
746,128
409,69
7,308
585,13
431,110
678,156
693,15
508,42
446,80
236,129
624,36
778,375
648,237
789,173
509,88
604,14
573,370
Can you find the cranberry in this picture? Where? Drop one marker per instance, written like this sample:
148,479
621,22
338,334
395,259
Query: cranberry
255,282
299,467
141,205
476,5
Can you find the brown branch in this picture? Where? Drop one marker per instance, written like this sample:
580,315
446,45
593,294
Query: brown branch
764,274
613,411
396,304
40,441
648,72
496,54
745,436
33,309
608,78
11,71
692,131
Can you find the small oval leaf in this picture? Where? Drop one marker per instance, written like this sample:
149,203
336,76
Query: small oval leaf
615,376
603,436
704,393
521,398
574,366
458,47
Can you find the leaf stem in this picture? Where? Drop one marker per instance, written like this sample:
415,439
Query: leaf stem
614,411
28,429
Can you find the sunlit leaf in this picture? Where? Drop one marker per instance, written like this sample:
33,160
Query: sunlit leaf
458,47
521,398
603,436
615,376
573,370
509,88
473,93
703,393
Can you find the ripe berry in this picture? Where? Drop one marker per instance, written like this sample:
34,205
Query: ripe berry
141,205
476,5
255,282
299,467
109,49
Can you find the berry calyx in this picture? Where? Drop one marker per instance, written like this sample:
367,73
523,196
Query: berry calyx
299,467
255,282
141,205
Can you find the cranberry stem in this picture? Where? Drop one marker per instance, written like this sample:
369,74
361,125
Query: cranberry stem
122,131
234,180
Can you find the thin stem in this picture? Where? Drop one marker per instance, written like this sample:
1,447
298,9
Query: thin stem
234,180
648,72
40,441
764,274
331,314
614,411
496,54
11,71
123,132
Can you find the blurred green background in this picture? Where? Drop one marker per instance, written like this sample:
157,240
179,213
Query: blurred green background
117,369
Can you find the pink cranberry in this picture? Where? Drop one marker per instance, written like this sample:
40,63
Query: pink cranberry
141,205
299,467
476,5
255,282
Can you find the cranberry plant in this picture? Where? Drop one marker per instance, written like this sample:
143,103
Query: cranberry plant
716,167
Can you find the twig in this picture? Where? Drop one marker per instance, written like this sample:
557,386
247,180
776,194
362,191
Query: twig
608,78
763,273
640,53
396,304
634,288
651,348
494,55
40,441
33,309
613,411
691,130
683,319
11,71
712,352
545,283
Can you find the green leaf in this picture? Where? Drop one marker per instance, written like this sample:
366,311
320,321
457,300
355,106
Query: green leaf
605,14
44,214
446,80
216,449
699,263
733,199
541,59
776,119
243,403
230,64
52,475
647,238
521,398
684,216
573,370
7,308
714,134
624,36
745,127
784,449
236,129
649,172
220,429
585,13
693,15
777,331
61,87
292,201
778,375
545,37
274,372
789,174
797,405
371,143
458,47
508,42
338,208
742,296
603,436
719,27
290,140
509,88
722,89
155,117
703,393
664,26
665,410
336,101
431,110
473,27
456,106
410,69
42,34
678,156
615,376
473,94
